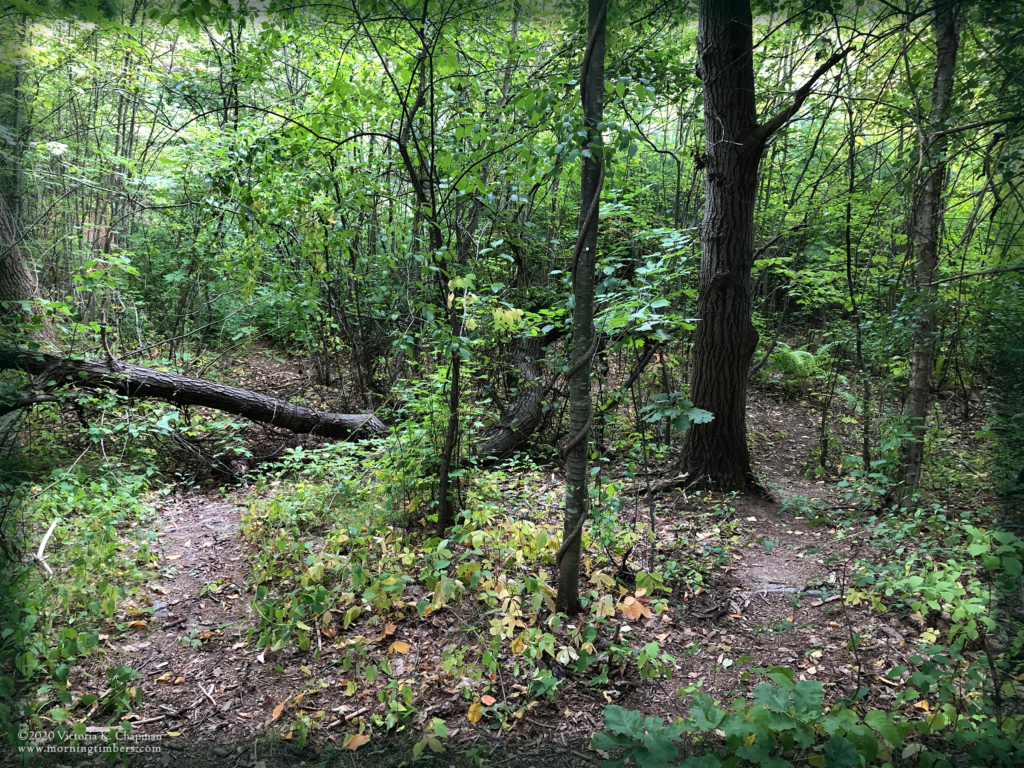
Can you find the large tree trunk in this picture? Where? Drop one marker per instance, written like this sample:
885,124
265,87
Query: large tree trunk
725,339
584,335
18,285
928,216
138,382
716,453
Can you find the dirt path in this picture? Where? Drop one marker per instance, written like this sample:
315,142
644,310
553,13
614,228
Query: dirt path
203,681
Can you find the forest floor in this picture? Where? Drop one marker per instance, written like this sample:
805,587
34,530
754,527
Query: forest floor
215,698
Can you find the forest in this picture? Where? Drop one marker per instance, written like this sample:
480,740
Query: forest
512,383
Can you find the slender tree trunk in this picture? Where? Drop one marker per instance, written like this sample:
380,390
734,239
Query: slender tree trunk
583,332
928,218
725,339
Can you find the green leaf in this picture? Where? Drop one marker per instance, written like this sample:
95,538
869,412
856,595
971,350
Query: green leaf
659,745
704,713
883,723
705,761
773,698
808,696
603,740
1012,566
622,720
840,753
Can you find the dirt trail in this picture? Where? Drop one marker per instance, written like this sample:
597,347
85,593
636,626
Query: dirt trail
203,681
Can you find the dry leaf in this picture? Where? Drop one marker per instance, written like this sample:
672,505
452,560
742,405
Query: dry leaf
390,629
488,700
172,557
179,680
164,678
517,644
355,741
474,713
172,734
278,710
399,647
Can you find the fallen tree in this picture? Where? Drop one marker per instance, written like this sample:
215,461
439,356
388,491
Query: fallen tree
136,381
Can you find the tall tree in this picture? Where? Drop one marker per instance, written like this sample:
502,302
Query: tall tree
716,452
584,335
927,224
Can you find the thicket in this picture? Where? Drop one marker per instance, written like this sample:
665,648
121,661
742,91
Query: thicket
387,195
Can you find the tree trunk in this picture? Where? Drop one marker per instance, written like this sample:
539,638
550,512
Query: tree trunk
928,217
724,340
136,381
527,412
17,283
583,331
716,453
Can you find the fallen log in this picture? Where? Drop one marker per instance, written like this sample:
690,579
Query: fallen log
136,381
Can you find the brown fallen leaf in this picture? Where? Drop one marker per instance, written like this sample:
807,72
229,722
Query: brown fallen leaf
278,710
164,678
179,680
173,557
399,647
355,741
487,700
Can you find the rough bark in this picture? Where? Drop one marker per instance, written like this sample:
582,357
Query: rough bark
716,453
583,331
136,381
928,218
526,414
17,283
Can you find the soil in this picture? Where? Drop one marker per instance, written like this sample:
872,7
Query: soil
207,684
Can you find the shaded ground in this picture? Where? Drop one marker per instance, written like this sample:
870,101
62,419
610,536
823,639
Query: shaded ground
214,699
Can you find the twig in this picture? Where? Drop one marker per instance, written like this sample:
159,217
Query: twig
207,695
42,547
349,717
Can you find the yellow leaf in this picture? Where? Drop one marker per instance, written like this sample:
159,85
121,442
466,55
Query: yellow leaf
305,671
923,704
278,710
399,647
179,680
355,741
164,678
487,700
517,644
474,713
172,557
172,734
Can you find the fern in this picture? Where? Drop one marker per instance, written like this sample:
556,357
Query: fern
795,364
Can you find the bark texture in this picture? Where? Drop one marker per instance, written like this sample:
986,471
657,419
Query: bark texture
17,283
525,415
583,332
716,453
725,339
928,219
139,382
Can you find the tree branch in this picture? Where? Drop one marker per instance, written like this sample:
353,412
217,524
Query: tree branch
764,131
979,124
993,271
